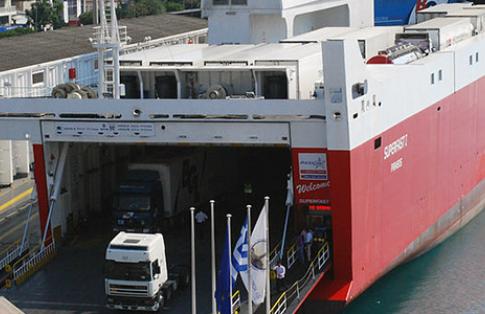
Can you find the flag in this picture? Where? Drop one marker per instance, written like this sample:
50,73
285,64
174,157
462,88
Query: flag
240,254
225,284
259,258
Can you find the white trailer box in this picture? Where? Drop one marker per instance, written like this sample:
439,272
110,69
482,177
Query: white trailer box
21,157
444,31
179,176
6,163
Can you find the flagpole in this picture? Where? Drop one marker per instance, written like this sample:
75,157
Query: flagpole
192,233
250,283
268,254
213,258
229,252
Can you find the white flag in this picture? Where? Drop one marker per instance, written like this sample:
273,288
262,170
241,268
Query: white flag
259,258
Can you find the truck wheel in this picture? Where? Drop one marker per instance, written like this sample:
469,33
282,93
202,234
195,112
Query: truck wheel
168,294
162,304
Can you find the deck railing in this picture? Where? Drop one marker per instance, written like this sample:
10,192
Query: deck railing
28,265
294,293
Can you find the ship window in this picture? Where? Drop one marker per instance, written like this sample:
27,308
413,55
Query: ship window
471,59
38,78
220,2
440,75
239,2
476,57
377,142
432,78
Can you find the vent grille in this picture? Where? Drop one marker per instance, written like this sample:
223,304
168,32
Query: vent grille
128,290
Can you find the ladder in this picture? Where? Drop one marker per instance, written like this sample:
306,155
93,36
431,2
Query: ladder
109,37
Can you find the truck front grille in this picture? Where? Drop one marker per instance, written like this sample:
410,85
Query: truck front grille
128,290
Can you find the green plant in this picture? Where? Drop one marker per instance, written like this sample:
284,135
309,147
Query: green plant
86,18
43,13
16,32
171,6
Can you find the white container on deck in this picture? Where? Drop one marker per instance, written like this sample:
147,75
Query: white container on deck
6,164
444,31
21,158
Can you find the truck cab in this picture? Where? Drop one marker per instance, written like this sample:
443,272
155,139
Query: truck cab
139,201
135,272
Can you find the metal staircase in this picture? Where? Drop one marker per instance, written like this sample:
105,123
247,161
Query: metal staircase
108,39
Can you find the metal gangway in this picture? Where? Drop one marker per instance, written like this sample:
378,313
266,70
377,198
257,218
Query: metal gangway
288,300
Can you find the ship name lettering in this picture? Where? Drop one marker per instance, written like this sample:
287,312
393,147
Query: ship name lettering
396,165
395,146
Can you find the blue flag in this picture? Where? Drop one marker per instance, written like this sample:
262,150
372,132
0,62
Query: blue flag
240,254
225,284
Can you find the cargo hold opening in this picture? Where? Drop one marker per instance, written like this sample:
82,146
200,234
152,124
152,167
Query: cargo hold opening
149,188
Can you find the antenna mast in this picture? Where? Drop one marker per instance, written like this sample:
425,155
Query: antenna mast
108,44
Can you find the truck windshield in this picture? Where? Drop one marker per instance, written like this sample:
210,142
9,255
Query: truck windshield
127,271
134,203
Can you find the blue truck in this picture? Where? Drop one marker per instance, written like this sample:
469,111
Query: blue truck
400,12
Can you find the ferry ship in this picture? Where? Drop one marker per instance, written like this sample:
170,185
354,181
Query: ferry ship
383,124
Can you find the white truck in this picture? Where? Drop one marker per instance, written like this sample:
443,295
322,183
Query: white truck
136,274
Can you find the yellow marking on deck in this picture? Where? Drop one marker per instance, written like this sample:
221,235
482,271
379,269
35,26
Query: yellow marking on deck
16,199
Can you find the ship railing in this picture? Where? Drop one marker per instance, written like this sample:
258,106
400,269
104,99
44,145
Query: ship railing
236,302
10,254
29,264
280,305
192,37
291,255
274,256
13,252
291,252
317,267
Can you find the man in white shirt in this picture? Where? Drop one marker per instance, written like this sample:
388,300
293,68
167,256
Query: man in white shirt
280,276
200,219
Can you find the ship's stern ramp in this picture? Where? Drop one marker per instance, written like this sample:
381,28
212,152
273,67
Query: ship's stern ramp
102,134
278,122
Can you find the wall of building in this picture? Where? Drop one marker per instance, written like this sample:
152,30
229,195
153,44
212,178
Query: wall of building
38,80
14,160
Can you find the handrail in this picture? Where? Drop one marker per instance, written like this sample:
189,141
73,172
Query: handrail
15,249
236,301
317,265
10,254
280,305
291,256
9,248
33,263
25,257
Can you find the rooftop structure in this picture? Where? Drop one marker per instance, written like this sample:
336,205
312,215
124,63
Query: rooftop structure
68,42
256,21
7,10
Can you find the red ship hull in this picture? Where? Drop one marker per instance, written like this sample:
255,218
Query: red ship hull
389,209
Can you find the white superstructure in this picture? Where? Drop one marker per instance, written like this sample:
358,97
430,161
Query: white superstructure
256,21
